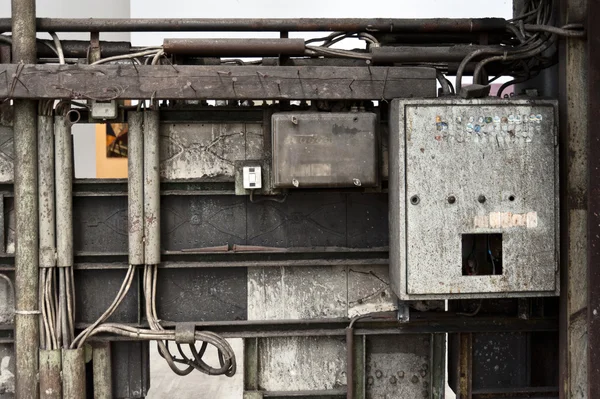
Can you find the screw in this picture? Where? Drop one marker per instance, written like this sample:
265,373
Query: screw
378,374
294,120
415,200
295,182
451,199
481,199
401,374
356,182
393,380
414,379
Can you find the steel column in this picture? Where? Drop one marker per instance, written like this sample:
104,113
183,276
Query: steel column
26,208
593,218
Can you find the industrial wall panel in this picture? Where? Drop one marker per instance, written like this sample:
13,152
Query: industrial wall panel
344,220
279,293
202,294
301,363
303,220
474,187
96,289
6,154
207,150
398,366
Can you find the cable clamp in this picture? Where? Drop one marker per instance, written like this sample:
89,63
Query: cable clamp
185,333
28,312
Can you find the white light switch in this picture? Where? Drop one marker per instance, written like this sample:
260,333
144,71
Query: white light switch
252,177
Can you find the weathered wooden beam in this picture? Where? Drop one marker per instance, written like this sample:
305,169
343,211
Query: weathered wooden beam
105,82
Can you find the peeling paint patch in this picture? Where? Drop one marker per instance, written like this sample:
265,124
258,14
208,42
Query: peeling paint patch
497,220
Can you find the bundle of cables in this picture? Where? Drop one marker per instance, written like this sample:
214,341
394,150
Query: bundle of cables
529,49
226,356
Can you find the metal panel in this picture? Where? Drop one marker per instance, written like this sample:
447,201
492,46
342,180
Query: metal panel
207,150
131,367
283,363
304,220
318,292
398,367
453,154
6,154
321,149
180,291
202,221
297,293
7,371
96,291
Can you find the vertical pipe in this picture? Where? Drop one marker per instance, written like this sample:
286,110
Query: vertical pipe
135,165
73,365
64,188
102,370
47,243
50,368
64,215
151,189
46,191
26,204
350,363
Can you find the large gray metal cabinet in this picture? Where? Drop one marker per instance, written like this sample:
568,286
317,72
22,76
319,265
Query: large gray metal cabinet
473,198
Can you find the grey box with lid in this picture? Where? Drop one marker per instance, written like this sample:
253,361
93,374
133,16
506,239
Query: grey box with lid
322,149
473,198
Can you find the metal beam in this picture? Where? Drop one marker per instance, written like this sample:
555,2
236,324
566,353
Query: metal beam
593,197
106,82
26,207
266,24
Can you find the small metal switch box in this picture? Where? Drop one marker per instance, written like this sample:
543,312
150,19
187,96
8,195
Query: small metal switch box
473,198
252,177
325,149
105,109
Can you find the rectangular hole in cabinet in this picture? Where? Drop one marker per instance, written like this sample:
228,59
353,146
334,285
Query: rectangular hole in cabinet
481,254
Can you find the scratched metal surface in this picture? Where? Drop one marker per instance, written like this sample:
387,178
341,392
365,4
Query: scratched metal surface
207,150
192,222
6,154
398,366
465,149
280,293
284,363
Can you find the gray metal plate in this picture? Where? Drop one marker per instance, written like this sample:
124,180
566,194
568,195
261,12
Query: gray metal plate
320,149
468,148
207,150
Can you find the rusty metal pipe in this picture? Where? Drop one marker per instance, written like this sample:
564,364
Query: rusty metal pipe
234,47
73,364
386,55
260,25
350,362
50,369
27,326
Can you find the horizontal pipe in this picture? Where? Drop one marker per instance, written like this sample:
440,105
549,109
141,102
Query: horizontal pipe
386,55
234,47
258,25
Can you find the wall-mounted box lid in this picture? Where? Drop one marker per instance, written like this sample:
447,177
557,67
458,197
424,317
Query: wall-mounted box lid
319,149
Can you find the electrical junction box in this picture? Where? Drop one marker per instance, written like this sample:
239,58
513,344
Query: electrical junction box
105,109
323,149
252,177
473,198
